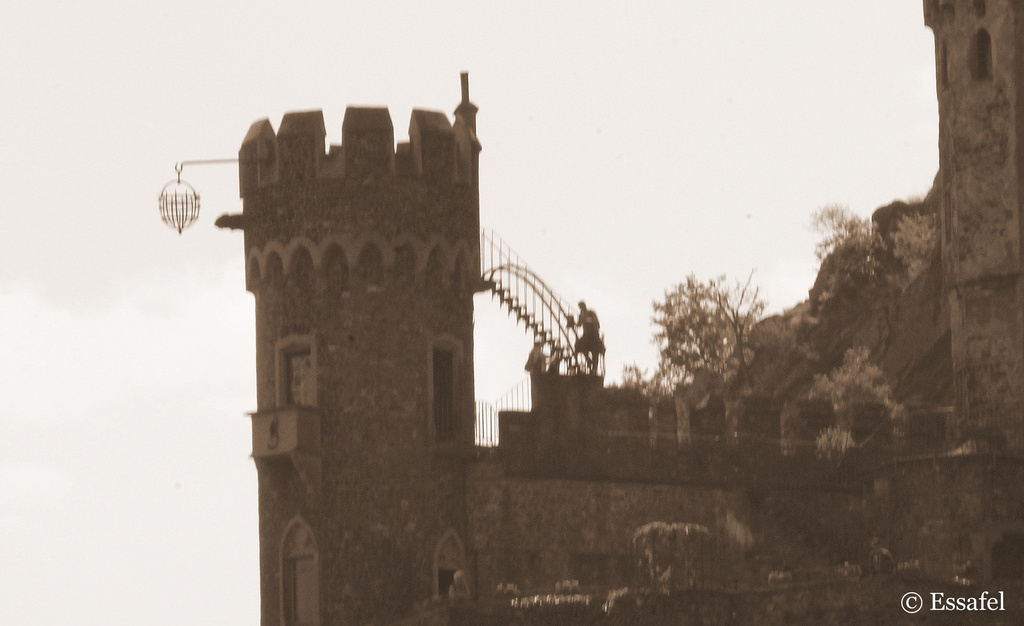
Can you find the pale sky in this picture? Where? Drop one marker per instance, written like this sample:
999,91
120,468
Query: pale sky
624,147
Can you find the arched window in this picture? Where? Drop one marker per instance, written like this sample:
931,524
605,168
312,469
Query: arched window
254,275
436,272
275,268
981,56
300,576
302,268
405,264
335,270
449,558
461,274
370,266
979,8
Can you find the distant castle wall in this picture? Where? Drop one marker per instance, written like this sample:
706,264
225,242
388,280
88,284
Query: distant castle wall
535,532
571,481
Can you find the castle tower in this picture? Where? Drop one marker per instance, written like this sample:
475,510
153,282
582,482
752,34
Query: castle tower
979,51
363,260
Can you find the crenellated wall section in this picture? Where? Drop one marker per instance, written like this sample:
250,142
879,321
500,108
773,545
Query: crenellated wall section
295,189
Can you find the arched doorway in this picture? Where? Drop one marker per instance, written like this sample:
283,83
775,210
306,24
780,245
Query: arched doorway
449,558
300,576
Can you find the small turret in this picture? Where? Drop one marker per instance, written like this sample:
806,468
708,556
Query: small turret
465,136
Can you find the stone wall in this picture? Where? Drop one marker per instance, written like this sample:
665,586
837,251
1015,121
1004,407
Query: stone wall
536,532
947,511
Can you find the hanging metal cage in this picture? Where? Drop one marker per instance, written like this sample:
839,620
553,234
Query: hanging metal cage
179,204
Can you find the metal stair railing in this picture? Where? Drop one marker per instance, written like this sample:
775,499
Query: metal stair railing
524,294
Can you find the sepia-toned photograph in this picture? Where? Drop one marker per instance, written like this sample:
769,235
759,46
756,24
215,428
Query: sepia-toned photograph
529,314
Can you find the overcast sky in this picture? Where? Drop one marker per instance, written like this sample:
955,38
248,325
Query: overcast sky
624,147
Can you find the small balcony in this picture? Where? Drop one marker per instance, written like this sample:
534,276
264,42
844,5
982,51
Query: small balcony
288,434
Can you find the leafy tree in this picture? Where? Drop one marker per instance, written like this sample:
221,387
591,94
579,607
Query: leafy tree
832,443
653,386
914,242
670,555
706,325
855,381
775,338
839,228
846,251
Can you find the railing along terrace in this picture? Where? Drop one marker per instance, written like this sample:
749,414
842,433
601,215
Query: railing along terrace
737,457
996,427
923,430
486,428
938,431
714,452
518,398
752,459
635,456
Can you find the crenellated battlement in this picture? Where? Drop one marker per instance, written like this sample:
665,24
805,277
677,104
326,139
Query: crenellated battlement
295,189
437,152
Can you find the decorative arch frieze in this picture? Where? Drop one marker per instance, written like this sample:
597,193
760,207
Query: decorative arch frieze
405,255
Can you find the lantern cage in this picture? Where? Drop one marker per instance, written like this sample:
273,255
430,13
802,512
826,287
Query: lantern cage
179,204
179,201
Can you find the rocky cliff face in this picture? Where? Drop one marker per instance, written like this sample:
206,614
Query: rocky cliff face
904,323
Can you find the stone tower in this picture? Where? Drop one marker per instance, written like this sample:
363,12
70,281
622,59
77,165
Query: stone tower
979,51
363,261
